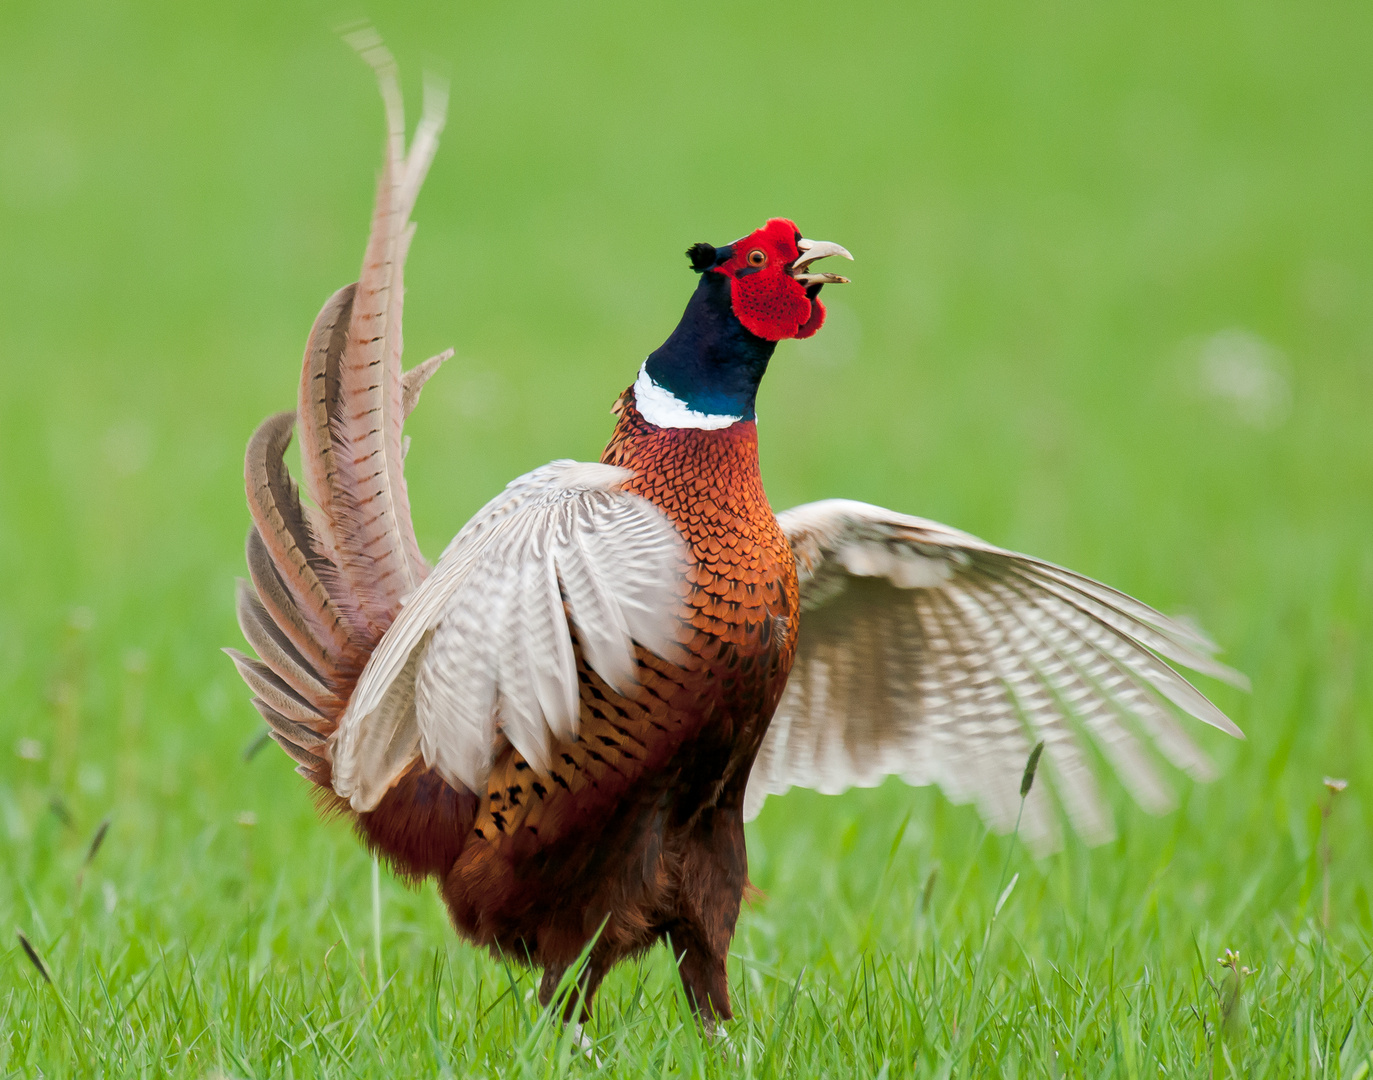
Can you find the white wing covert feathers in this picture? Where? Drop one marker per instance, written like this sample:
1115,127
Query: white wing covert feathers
928,654
483,648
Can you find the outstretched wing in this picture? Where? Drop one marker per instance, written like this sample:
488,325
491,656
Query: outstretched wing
483,648
928,654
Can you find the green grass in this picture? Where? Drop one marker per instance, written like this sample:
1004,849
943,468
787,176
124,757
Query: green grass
1054,206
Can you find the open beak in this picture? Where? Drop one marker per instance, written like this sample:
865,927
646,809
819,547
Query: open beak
811,251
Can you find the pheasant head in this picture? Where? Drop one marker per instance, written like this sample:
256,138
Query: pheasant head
752,294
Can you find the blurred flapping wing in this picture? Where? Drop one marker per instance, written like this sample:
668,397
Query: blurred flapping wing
483,648
928,654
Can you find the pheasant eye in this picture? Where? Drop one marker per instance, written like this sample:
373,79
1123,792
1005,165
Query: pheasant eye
757,257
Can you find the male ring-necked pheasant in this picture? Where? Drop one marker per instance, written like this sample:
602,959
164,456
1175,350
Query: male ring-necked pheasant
568,719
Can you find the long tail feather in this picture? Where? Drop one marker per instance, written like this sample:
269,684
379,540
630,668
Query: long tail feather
413,381
309,764
318,407
273,690
280,655
353,388
316,626
298,734
367,427
395,410
329,576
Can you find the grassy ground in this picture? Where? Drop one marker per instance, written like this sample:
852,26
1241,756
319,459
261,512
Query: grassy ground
1113,306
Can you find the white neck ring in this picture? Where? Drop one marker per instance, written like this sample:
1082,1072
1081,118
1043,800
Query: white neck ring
662,408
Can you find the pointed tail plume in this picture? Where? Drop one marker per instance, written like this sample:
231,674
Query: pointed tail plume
327,579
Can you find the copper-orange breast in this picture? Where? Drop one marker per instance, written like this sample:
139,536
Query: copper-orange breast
550,857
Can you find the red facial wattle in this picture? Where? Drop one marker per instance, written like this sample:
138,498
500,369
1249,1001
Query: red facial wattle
765,292
816,320
765,297
768,299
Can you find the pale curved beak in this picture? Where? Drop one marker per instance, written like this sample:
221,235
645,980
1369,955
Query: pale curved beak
811,251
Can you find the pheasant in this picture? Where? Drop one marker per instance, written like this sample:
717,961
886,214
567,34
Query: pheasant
567,720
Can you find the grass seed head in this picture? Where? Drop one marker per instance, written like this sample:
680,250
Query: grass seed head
33,956
257,743
927,893
58,807
1028,780
96,841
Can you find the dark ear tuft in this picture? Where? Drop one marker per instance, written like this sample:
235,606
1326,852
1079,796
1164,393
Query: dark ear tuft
702,257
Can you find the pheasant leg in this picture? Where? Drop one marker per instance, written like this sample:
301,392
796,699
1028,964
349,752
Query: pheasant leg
577,1008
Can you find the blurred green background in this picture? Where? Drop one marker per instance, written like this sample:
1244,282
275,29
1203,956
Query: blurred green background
1112,305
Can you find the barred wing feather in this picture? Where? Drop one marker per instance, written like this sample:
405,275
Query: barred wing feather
928,654
483,648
